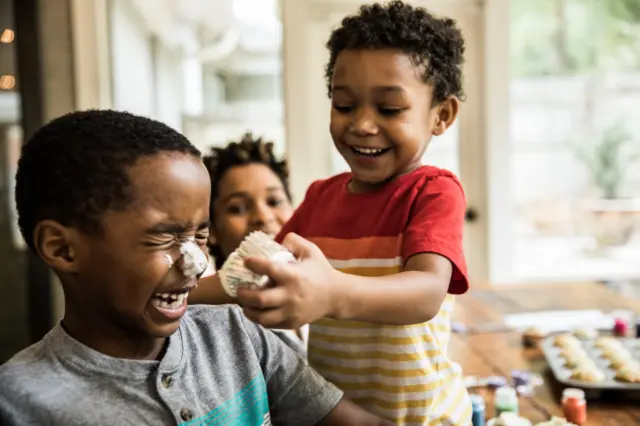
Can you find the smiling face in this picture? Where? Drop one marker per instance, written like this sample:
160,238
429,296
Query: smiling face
250,198
124,279
382,117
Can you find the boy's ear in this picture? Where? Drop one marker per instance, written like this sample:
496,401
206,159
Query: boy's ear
57,245
446,114
212,239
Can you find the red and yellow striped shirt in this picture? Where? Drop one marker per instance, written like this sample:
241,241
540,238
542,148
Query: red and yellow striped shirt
399,372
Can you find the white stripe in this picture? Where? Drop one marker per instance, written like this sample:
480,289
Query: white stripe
447,410
444,406
427,363
425,379
395,414
418,348
392,397
457,412
366,263
431,412
447,306
389,331
427,412
441,320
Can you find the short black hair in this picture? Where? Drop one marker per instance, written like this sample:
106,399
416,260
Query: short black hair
74,168
432,42
249,150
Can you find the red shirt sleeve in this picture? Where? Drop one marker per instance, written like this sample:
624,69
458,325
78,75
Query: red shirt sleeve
292,224
436,225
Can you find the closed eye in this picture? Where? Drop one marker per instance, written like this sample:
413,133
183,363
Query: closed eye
390,111
159,243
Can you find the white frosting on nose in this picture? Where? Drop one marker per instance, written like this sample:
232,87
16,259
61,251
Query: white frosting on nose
194,261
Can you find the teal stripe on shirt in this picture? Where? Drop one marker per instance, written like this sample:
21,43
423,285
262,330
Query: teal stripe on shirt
248,407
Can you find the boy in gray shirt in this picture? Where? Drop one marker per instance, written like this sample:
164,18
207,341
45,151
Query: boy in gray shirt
117,205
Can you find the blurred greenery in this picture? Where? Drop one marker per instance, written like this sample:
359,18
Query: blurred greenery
609,158
574,37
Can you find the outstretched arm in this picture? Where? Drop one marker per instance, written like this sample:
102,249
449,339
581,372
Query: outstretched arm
312,289
409,297
210,292
346,413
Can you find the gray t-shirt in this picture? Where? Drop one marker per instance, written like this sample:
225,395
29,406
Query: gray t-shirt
219,368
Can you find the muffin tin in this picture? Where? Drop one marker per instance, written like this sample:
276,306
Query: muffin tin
563,373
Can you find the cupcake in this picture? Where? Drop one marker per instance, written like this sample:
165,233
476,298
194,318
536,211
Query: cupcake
618,359
588,372
629,373
585,333
234,274
575,358
608,343
566,340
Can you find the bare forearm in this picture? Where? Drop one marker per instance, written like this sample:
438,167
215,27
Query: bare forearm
346,413
405,298
210,292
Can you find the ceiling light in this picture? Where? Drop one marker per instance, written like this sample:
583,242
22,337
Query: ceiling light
7,82
7,36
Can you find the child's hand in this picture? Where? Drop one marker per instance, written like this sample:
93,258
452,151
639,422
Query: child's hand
300,293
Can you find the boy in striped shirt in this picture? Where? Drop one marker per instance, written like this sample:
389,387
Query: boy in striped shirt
380,247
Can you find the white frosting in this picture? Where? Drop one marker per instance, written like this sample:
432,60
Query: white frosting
194,261
234,273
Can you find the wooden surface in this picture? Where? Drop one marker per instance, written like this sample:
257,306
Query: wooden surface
498,353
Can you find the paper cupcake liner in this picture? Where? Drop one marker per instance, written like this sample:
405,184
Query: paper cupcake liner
234,274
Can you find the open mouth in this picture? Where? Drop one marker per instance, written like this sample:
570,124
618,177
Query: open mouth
368,152
170,301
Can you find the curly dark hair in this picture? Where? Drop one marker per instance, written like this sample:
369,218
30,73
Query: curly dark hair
74,168
434,43
248,151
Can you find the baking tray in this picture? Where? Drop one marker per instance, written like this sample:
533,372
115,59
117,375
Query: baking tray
563,374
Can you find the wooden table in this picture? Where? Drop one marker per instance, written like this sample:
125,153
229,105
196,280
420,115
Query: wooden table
499,352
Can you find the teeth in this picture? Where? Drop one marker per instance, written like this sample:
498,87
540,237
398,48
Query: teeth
177,300
368,151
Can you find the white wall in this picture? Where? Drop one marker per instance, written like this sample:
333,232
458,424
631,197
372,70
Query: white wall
131,60
169,99
146,74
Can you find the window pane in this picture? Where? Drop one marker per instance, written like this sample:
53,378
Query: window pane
575,93
13,316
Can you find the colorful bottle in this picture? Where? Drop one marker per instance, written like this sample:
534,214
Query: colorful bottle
574,406
620,327
478,405
506,400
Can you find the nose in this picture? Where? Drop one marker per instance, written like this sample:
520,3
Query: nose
363,123
261,216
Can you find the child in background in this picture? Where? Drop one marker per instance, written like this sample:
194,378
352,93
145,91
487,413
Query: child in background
249,192
381,258
118,206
